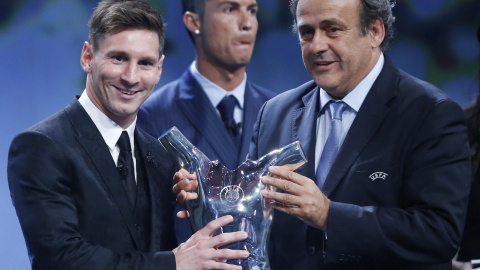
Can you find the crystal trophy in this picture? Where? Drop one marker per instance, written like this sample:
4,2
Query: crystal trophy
232,192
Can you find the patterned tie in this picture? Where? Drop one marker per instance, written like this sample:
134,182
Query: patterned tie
226,108
332,144
125,167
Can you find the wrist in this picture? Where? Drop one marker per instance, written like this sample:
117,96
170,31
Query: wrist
325,213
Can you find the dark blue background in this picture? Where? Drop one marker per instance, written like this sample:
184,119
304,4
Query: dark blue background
41,41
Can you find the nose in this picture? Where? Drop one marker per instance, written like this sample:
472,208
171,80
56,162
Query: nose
247,20
319,42
130,75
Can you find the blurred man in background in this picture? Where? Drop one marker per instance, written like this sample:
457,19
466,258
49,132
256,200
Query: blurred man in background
212,103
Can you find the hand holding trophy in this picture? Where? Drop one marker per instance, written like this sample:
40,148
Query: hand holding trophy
236,192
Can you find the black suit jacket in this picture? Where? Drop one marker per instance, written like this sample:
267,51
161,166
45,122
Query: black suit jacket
399,185
470,246
72,206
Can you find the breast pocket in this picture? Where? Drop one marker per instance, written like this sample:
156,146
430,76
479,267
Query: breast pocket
377,185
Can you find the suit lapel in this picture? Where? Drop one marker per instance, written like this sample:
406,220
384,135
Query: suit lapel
252,104
144,145
370,116
304,123
93,143
203,116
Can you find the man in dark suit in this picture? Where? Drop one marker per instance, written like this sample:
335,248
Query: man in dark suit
223,33
469,253
388,173
85,201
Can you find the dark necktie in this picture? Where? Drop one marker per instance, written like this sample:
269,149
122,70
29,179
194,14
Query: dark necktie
226,108
332,144
125,167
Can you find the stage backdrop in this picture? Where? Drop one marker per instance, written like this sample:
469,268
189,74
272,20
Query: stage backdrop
41,41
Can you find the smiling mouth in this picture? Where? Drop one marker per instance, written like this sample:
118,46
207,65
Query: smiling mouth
323,63
126,92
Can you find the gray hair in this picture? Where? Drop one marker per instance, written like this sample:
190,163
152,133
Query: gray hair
370,11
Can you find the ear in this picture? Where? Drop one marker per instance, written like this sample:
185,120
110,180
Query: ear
377,33
86,57
191,21
160,67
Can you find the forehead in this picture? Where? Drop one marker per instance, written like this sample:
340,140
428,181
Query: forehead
317,11
218,3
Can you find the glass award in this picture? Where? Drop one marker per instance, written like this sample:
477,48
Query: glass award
222,191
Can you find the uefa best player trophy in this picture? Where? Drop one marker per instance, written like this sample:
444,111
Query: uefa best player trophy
232,192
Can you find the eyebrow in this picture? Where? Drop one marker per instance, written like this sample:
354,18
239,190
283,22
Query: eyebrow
326,22
332,21
236,4
125,54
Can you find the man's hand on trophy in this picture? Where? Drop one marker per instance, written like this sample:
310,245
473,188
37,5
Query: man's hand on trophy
201,251
302,196
185,183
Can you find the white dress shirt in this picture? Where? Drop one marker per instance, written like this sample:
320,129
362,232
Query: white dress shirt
215,93
354,100
109,129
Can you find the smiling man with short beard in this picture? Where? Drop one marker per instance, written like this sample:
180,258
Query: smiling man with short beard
93,191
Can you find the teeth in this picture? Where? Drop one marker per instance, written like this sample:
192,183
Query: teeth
126,92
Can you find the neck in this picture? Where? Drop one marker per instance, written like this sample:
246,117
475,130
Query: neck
225,77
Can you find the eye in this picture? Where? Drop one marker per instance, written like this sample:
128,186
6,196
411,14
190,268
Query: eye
306,34
146,63
118,58
334,29
228,10
253,11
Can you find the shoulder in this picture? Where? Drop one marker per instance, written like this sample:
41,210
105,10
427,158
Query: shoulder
55,126
161,101
160,95
415,93
293,96
262,92
408,88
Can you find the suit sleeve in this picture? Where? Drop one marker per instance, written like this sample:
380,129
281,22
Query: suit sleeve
470,246
253,149
427,228
40,177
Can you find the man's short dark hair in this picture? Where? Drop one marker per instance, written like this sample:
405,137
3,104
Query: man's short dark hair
370,11
117,15
194,6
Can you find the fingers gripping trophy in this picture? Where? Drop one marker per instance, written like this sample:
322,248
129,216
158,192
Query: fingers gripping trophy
232,192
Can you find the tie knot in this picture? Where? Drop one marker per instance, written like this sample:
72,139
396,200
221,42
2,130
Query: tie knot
336,109
124,142
226,107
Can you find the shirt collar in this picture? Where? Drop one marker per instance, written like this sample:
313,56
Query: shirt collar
214,92
110,130
355,98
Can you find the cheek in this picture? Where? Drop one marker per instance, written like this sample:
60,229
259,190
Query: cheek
110,72
305,54
151,79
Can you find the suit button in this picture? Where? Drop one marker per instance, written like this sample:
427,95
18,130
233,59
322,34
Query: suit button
137,226
310,250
